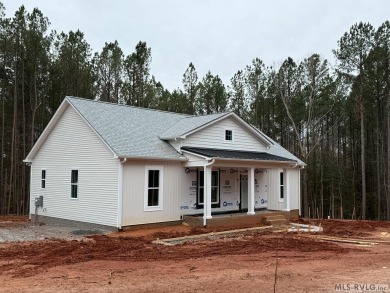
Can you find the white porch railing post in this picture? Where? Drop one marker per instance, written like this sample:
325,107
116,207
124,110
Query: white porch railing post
207,193
251,191
286,183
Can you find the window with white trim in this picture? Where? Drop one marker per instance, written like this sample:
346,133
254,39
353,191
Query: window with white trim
153,187
214,187
74,183
229,135
43,178
281,195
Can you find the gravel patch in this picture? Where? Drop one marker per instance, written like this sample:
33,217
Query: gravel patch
31,232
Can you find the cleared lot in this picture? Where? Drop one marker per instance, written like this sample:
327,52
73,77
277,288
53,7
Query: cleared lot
128,261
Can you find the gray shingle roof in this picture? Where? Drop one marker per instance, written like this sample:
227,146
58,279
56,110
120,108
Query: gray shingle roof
130,131
188,124
139,132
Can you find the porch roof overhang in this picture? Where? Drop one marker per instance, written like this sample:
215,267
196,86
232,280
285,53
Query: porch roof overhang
245,157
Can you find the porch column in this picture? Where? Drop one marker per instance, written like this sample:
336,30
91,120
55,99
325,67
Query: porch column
251,191
286,183
207,193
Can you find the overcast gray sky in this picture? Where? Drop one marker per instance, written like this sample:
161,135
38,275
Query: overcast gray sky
222,35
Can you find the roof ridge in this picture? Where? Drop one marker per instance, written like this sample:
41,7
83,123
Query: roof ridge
212,114
130,106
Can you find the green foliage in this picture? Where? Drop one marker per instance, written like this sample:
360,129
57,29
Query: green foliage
190,84
137,76
109,66
212,95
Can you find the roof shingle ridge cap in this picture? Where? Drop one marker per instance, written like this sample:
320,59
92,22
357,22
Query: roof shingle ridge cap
130,106
212,114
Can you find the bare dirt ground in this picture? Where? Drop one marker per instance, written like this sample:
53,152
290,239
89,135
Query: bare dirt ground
130,262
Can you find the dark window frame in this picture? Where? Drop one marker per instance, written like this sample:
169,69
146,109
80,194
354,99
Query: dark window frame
74,183
281,184
228,135
43,178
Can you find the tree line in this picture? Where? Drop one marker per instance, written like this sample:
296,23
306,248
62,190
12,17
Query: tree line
335,117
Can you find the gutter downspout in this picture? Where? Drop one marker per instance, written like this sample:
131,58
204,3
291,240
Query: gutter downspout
30,191
299,191
205,207
120,193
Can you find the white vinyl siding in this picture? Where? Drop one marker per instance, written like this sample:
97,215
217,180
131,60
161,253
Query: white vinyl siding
214,136
175,144
294,182
134,181
73,143
274,202
291,189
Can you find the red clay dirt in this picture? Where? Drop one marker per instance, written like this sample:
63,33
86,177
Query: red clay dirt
129,262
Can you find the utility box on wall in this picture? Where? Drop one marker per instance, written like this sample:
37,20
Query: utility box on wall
39,201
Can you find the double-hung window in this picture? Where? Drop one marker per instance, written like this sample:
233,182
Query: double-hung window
43,178
74,183
153,188
281,181
214,187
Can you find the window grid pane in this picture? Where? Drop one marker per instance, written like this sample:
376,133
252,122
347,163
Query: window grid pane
75,176
153,197
201,195
201,178
214,194
74,191
228,135
214,178
153,180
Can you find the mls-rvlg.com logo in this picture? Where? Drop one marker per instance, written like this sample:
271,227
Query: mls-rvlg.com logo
362,287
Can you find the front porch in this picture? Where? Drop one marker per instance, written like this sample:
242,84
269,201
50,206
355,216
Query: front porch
242,219
238,182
